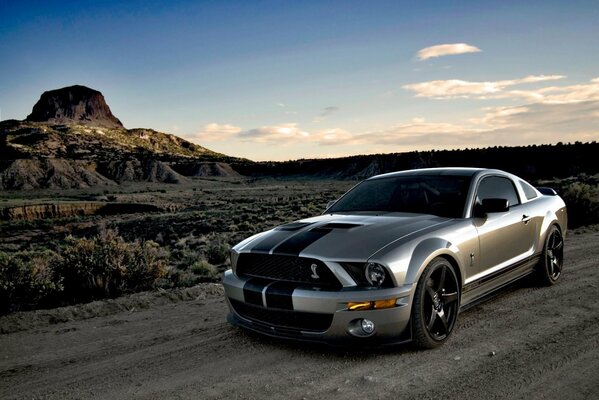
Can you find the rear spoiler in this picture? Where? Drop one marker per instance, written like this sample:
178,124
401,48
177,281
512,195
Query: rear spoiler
547,191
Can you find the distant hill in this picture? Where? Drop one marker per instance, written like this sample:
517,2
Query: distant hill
531,162
72,139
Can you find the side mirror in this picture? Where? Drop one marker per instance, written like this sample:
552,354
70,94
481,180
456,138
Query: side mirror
330,204
492,206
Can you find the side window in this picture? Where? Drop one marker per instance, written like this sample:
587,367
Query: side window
529,191
496,187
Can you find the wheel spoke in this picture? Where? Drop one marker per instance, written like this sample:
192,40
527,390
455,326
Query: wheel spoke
558,246
556,267
431,320
442,279
431,293
443,319
449,298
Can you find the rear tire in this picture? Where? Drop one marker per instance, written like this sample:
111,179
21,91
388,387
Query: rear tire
552,259
436,304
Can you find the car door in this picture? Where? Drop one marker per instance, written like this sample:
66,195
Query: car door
505,237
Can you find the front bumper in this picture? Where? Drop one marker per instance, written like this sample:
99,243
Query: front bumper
391,324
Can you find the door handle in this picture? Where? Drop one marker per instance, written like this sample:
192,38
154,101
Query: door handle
526,218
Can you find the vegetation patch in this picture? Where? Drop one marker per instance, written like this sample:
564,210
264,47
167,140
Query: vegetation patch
83,270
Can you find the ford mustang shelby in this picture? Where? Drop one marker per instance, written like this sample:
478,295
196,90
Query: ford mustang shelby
397,257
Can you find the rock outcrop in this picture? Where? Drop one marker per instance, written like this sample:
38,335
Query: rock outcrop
74,105
30,212
210,169
51,173
147,171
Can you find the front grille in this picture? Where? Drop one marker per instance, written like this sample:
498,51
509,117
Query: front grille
286,268
302,321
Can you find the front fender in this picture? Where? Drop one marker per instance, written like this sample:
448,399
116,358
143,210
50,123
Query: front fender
407,262
425,252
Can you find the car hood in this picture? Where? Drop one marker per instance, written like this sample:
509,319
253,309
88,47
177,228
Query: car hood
339,237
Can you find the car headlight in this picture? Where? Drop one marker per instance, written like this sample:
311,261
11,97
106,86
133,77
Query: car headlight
375,274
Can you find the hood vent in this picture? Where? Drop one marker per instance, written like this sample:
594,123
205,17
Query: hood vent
294,226
339,225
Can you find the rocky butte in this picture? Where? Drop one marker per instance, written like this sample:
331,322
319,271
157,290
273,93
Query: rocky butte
71,139
74,105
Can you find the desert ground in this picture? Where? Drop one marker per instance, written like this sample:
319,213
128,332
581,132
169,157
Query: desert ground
526,342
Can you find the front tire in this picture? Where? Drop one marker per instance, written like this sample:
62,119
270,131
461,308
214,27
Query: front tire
436,304
552,258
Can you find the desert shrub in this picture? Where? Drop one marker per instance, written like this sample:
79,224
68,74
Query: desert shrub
246,226
185,257
107,266
25,280
183,279
204,269
149,262
582,200
217,252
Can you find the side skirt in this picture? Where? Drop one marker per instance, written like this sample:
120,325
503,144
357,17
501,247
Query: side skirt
484,288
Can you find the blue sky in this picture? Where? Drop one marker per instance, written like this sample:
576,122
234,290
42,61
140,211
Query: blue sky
275,80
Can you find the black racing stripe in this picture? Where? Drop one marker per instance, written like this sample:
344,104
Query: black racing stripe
295,244
271,240
279,295
252,291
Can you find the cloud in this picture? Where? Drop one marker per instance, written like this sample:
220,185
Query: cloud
505,126
421,132
283,133
216,132
329,110
456,88
333,136
446,50
561,94
325,113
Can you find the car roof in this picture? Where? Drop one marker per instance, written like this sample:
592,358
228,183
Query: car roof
455,171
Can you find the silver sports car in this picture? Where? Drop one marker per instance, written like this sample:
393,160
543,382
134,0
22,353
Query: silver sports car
397,257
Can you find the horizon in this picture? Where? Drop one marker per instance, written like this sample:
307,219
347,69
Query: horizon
277,81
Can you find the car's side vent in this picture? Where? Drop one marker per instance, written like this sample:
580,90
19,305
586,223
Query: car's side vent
547,191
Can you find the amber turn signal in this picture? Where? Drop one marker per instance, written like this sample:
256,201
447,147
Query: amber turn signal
371,305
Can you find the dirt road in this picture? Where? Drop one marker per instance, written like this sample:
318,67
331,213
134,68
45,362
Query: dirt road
529,342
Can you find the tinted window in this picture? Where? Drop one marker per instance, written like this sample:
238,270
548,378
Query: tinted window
443,195
495,187
529,191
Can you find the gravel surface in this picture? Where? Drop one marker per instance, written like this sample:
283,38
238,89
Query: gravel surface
527,342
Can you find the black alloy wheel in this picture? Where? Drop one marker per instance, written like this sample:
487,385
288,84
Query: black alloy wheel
436,304
552,259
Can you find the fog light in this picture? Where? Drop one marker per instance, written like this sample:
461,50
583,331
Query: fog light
367,326
361,328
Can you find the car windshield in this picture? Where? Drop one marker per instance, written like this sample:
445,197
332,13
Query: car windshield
442,195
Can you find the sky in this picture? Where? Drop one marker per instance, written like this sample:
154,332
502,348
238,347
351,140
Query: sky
280,80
